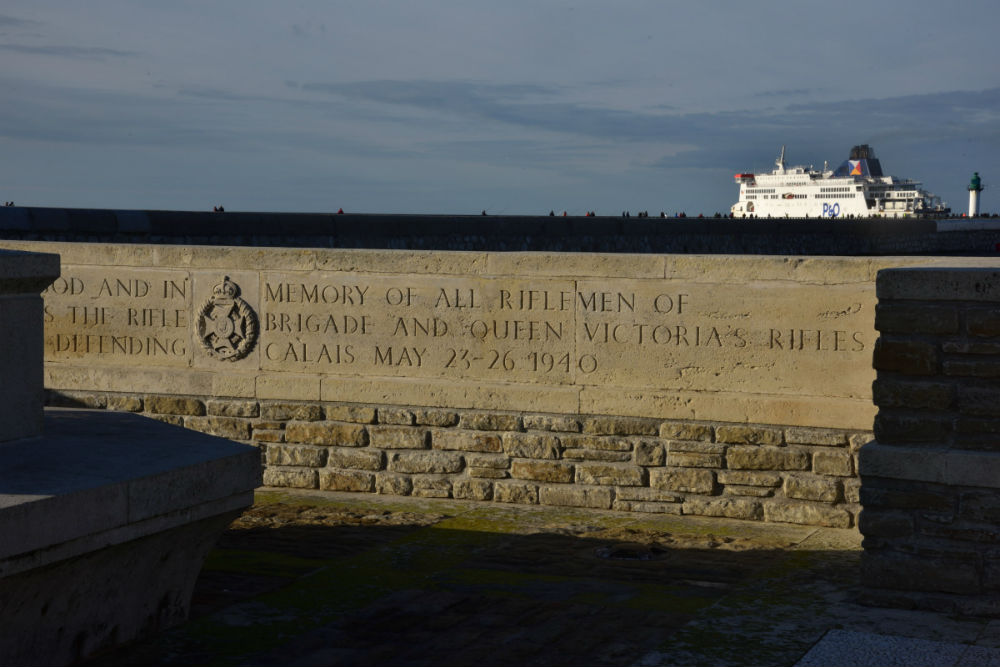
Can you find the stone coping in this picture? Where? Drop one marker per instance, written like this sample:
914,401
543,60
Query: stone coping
96,479
26,271
953,467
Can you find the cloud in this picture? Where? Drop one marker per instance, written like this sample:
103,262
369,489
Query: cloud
93,52
14,22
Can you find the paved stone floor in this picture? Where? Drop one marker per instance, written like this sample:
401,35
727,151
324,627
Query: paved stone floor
310,578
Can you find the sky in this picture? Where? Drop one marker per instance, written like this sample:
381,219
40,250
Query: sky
513,107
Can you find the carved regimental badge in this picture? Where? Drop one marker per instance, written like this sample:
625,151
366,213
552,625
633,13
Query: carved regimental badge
227,325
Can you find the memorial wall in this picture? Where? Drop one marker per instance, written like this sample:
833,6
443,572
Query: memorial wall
727,385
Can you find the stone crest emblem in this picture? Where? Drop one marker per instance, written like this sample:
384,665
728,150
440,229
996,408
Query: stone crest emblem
227,325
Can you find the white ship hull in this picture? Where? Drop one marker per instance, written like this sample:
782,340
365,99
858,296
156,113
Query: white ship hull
856,189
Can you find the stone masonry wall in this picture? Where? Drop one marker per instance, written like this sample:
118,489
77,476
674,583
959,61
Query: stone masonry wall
745,471
931,480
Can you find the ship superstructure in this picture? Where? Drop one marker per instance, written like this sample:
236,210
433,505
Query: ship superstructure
857,188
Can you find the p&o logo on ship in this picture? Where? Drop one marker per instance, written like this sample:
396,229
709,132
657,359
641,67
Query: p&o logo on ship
227,325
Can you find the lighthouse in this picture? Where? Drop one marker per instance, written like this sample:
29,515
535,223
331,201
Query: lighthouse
975,187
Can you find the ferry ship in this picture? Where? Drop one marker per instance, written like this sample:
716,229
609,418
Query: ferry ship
857,188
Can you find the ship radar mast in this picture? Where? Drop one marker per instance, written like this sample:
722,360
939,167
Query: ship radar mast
780,162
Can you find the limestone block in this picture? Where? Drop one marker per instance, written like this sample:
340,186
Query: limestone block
551,423
696,447
649,453
815,436
431,486
685,431
296,455
912,395
749,478
645,493
620,426
834,462
982,368
982,322
496,461
852,490
916,318
542,471
610,474
885,524
812,514
489,421
909,428
806,487
732,508
979,400
398,416
487,473
424,462
431,417
358,414
291,411
741,457
612,444
687,480
346,480
531,445
575,496
909,357
174,405
694,460
749,435
466,441
355,459
472,489
77,399
752,491
576,454
268,435
515,492
233,428
645,506
231,408
124,403
295,478
327,433
392,484
399,437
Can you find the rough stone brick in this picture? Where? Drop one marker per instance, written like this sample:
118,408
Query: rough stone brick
124,403
487,473
856,441
575,496
909,394
176,420
620,426
399,437
296,455
686,480
397,416
595,455
430,486
496,461
835,462
902,428
466,441
814,436
645,506
515,492
489,421
741,457
75,399
425,462
749,478
748,435
885,524
811,488
306,412
733,508
472,489
965,346
980,368
531,445
610,444
174,405
267,424
604,474
393,485
356,414
694,460
551,423
810,514
983,322
542,471
268,435
685,431
975,426
327,433
696,447
915,497
915,319
355,459
753,491
645,493
346,480
294,478
231,408
910,357
649,453
433,417
852,490
980,506
980,401
224,427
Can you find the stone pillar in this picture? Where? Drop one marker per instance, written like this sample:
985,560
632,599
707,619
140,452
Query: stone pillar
930,482
22,278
